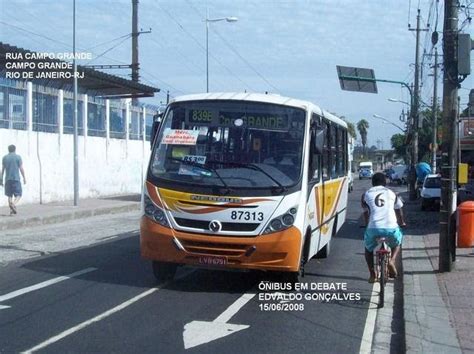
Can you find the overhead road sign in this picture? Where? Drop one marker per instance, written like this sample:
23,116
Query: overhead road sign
356,79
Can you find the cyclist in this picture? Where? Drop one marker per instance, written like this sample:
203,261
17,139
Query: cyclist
383,216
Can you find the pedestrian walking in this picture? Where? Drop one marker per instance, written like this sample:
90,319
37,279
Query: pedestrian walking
12,166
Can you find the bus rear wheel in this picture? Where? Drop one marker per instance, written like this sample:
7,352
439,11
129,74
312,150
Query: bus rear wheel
164,271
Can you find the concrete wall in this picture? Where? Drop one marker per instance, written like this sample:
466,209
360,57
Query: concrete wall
106,166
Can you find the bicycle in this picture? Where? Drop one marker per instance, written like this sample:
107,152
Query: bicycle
382,254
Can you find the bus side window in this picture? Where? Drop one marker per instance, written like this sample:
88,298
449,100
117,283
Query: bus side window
314,170
326,165
341,151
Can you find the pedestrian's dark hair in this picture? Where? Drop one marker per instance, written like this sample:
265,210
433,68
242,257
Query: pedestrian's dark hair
11,148
378,179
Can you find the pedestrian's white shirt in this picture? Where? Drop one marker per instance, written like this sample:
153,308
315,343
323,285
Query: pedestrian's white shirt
381,203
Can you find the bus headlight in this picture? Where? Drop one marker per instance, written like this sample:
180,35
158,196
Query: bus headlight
154,213
281,222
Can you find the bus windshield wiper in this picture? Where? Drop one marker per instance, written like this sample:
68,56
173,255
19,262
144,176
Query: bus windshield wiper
254,167
204,167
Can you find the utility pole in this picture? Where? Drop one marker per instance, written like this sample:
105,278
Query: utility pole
135,33
74,122
449,146
434,144
415,109
135,65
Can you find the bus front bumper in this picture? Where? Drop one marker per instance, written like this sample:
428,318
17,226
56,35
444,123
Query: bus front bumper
278,251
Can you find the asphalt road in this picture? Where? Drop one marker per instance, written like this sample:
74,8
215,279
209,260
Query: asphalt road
110,301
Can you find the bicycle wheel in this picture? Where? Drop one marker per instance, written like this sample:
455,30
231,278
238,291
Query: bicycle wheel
383,278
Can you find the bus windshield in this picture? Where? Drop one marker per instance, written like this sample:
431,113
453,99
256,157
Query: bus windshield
230,144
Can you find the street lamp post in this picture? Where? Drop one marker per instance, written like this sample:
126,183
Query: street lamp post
386,121
208,20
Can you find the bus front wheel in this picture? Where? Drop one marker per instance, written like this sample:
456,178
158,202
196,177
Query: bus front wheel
291,278
164,271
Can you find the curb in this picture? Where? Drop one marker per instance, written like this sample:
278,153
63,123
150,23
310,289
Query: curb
427,326
66,216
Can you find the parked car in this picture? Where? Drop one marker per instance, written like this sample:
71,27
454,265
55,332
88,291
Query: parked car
365,173
399,174
431,192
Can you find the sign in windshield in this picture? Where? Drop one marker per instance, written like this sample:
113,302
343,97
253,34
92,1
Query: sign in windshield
235,144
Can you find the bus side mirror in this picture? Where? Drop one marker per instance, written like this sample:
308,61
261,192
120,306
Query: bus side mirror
318,140
154,127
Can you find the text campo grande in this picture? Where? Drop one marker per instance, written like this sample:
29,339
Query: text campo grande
42,65
47,55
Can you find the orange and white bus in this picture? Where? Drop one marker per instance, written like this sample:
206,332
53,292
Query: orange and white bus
246,181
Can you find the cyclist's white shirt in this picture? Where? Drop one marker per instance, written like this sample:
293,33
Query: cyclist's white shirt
381,203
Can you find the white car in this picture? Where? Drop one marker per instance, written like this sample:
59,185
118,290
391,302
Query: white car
431,192
399,174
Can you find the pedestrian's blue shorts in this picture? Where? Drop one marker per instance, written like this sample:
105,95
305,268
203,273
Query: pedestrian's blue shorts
394,237
12,188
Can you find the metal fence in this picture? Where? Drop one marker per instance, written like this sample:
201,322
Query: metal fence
148,123
46,113
117,121
135,133
12,107
96,119
68,114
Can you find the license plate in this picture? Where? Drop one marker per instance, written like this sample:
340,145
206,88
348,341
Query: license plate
213,261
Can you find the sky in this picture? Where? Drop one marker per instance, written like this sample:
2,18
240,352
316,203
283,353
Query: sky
287,47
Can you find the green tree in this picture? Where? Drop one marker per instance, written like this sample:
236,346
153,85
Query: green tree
351,130
398,144
425,135
363,127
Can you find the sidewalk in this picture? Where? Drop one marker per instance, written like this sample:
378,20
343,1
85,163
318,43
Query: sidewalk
438,307
50,213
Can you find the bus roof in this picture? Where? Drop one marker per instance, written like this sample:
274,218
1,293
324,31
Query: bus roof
261,97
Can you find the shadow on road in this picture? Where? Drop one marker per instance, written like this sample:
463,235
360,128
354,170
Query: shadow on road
119,262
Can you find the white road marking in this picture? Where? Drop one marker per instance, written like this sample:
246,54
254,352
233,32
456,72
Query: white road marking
100,317
368,336
200,332
383,336
41,285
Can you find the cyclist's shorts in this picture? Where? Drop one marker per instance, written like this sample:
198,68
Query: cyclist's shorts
394,237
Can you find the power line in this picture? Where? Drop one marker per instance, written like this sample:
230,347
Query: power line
201,46
245,60
110,41
67,45
35,34
111,48
234,50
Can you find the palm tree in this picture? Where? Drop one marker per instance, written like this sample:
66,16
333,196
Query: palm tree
363,127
